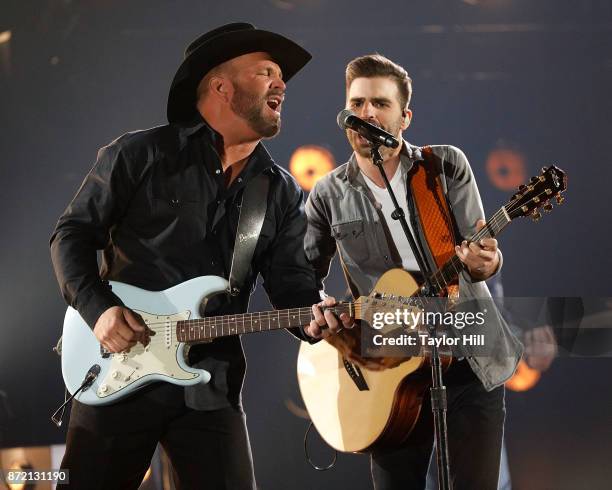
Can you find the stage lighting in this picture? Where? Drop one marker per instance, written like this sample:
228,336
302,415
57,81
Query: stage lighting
506,168
309,163
524,378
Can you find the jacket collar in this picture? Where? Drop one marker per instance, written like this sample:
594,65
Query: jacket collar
408,155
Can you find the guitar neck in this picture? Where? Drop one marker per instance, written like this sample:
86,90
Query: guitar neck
210,328
447,274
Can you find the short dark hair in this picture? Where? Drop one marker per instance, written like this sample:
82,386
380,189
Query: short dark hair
377,65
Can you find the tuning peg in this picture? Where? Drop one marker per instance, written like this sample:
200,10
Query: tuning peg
522,187
536,216
548,207
534,179
544,169
560,199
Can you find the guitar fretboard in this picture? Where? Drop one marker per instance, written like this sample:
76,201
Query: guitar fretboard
446,274
208,328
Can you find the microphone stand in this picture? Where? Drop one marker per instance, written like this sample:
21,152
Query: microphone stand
438,390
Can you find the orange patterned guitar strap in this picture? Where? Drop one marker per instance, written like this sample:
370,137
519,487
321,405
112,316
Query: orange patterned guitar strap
433,212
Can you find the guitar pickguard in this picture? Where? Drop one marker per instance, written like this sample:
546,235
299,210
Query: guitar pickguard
159,357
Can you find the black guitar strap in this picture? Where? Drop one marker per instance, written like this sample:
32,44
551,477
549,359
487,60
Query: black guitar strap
250,220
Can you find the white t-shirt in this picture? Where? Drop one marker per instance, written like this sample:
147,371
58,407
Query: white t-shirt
398,185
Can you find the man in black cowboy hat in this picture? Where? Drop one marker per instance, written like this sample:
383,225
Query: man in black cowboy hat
163,205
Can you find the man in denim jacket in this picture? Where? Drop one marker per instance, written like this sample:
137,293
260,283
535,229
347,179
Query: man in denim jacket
349,211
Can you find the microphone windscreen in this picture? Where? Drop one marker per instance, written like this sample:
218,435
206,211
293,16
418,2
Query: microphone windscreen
343,115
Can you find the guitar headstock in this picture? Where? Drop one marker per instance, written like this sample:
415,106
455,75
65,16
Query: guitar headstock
539,193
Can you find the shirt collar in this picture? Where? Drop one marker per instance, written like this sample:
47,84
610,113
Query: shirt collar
260,160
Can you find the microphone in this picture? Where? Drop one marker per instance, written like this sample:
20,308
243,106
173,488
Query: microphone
347,120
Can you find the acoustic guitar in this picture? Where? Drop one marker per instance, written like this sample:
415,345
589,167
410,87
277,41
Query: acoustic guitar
358,409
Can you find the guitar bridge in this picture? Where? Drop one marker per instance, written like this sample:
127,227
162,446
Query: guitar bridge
356,375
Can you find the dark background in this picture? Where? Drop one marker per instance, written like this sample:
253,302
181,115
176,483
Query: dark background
533,74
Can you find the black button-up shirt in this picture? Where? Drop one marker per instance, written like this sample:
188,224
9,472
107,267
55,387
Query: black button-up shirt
156,203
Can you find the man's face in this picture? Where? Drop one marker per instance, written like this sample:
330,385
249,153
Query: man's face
377,101
259,92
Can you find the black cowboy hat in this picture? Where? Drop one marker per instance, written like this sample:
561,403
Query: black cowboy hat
223,44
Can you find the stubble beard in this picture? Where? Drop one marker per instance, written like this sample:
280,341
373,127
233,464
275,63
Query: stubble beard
253,109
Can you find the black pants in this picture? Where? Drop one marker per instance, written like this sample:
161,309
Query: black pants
475,420
110,447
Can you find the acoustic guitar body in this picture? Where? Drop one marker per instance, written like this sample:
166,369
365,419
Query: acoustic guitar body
378,410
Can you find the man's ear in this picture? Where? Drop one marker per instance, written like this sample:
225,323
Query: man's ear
220,87
406,118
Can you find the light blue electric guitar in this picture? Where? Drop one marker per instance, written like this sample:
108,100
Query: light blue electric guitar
99,377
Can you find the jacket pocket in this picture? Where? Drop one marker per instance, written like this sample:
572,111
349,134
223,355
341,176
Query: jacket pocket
351,240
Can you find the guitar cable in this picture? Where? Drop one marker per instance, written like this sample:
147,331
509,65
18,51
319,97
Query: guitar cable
90,377
310,462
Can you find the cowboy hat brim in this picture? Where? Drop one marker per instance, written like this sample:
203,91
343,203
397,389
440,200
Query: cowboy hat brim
223,47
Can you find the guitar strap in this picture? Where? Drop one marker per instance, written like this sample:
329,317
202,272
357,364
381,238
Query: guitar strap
250,220
433,210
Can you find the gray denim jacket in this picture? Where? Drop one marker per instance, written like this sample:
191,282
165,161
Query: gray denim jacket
343,215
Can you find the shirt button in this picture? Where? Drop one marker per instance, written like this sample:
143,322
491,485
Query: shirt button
239,179
217,171
386,257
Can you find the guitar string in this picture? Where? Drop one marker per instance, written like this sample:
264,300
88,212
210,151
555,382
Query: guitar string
440,277
226,321
231,331
496,220
263,316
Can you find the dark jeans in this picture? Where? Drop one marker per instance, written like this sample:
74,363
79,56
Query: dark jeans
475,420
110,447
